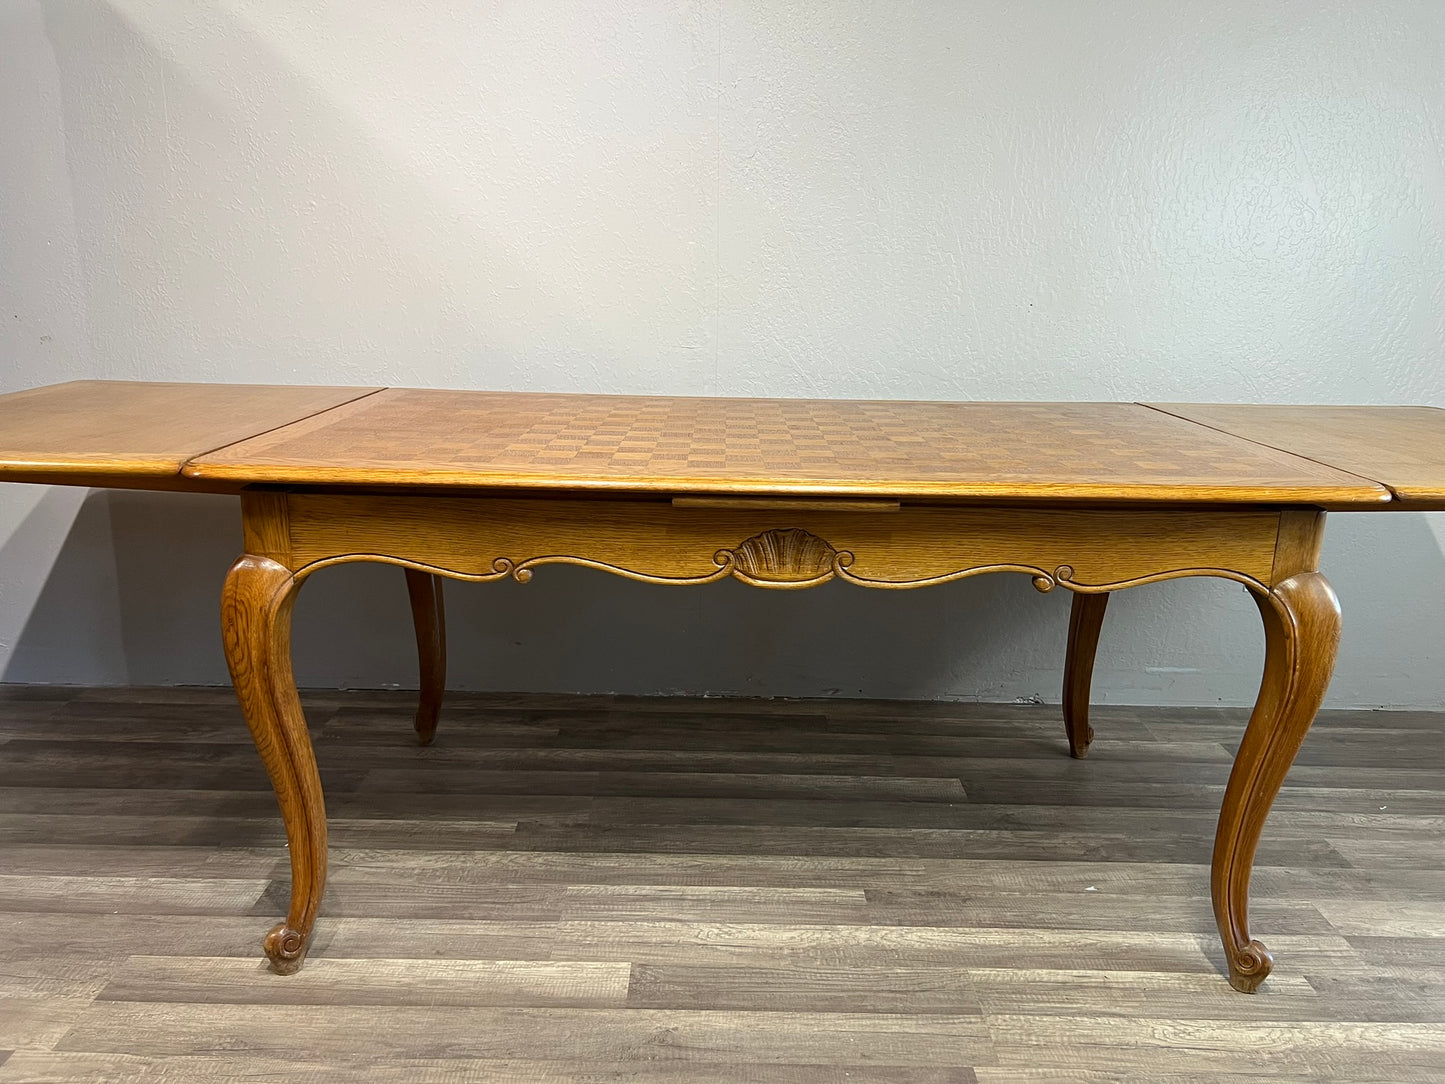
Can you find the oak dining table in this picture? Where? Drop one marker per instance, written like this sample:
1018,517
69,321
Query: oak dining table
1088,498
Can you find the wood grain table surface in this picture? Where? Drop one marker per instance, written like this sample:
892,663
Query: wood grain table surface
954,451
1090,498
225,436
1399,446
140,435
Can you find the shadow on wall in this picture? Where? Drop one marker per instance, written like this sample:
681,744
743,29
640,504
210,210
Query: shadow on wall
72,632
133,595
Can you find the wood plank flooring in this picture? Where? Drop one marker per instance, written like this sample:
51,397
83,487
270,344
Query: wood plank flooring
605,889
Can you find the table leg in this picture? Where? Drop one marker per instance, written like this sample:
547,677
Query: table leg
429,618
1086,617
256,606
1302,633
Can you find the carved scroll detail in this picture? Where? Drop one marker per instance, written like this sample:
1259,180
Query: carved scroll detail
778,564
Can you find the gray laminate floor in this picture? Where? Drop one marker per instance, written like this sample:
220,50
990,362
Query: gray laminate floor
595,889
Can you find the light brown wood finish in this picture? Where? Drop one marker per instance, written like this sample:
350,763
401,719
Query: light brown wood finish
256,607
750,447
428,615
1301,617
1086,618
1273,552
775,493
1302,632
658,542
125,433
1400,447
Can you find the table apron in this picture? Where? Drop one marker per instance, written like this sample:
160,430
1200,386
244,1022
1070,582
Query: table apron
489,538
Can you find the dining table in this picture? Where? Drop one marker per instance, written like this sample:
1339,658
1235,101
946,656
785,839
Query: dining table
1088,498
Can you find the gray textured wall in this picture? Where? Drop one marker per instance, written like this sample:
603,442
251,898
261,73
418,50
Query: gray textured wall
1026,200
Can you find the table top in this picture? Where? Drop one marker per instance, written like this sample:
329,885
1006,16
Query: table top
224,437
1402,447
833,448
132,433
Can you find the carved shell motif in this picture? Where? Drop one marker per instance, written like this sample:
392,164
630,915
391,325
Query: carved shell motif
782,556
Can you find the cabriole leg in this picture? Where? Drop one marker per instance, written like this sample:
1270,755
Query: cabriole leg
1302,633
1086,618
429,618
256,606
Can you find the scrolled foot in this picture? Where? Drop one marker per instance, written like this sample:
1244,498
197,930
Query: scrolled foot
286,948
1249,967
